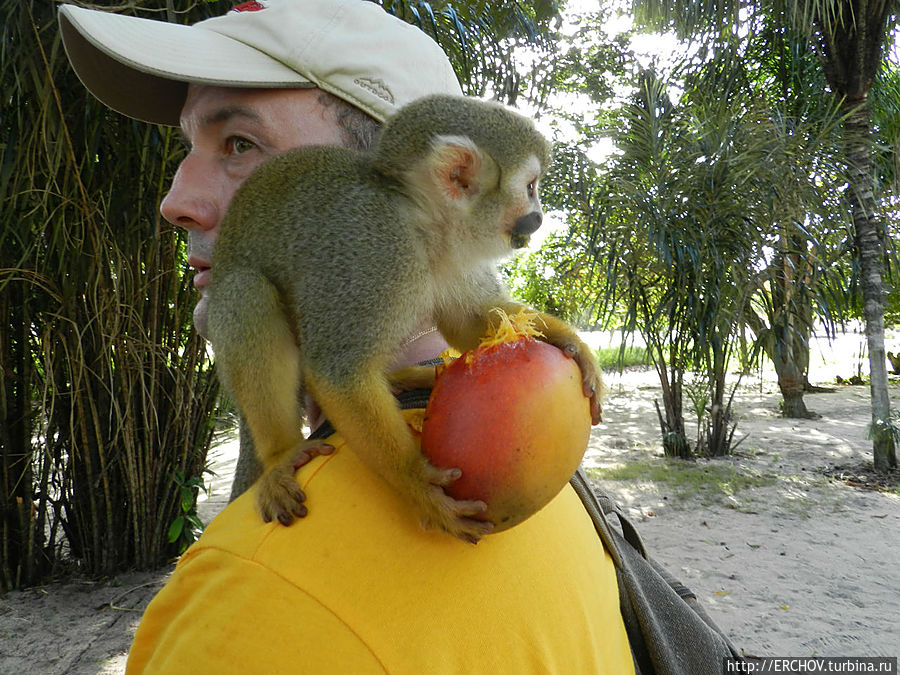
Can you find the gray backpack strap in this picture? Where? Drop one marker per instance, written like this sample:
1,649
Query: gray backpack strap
669,632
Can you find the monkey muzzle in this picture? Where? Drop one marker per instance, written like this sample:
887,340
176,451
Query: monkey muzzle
523,228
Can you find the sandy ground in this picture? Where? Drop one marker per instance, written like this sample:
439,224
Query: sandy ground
788,555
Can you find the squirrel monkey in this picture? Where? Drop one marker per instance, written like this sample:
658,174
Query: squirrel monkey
328,258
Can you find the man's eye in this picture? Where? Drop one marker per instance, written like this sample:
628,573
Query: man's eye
238,145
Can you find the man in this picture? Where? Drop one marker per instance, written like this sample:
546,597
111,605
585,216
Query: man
357,586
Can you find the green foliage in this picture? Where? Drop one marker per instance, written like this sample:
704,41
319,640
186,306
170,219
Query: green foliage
187,526
481,38
849,41
617,358
721,213
687,479
698,394
558,279
105,389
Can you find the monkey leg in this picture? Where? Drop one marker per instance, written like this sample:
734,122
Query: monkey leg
257,355
368,418
413,377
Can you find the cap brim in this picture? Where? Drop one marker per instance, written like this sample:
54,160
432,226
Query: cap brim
141,68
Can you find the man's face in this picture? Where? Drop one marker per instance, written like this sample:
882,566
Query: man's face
230,132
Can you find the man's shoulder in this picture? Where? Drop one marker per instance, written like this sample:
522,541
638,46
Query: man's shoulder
360,553
348,504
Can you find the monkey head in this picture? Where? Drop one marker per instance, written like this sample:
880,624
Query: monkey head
473,166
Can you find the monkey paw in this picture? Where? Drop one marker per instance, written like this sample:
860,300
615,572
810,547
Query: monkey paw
591,376
308,450
278,496
456,517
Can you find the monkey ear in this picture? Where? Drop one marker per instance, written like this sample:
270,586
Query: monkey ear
456,166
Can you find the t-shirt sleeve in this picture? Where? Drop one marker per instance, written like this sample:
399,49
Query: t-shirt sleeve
224,614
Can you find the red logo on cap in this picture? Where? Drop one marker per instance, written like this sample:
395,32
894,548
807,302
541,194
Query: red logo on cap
248,7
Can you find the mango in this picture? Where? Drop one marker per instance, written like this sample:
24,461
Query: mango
513,417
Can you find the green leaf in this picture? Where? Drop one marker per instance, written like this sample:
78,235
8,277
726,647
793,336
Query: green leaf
187,500
195,521
176,528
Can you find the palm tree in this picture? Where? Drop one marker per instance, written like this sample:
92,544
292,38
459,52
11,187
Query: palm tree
677,221
849,37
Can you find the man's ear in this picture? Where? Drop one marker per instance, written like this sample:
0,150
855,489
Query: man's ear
456,164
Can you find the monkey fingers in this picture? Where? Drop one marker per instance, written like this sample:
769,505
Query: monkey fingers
591,380
308,450
278,496
456,517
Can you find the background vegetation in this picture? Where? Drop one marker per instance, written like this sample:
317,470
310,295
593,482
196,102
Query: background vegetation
749,198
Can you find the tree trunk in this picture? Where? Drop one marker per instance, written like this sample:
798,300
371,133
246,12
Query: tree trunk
671,426
870,250
792,383
789,348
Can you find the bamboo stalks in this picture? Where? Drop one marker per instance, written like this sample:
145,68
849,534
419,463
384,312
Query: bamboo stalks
105,390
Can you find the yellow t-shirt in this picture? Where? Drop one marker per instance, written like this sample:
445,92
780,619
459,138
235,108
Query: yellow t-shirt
358,587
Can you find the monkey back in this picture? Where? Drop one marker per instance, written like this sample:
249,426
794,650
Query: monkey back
330,235
506,135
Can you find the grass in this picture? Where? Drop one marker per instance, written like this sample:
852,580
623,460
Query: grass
686,478
613,358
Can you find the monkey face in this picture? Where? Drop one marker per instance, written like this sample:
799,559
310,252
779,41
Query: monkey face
524,213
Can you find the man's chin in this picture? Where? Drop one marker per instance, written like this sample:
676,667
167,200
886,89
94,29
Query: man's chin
200,312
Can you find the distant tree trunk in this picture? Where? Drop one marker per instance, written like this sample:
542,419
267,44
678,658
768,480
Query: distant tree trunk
789,350
791,382
870,250
671,425
720,429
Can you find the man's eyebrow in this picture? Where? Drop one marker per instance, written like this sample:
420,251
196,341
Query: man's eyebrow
229,112
221,115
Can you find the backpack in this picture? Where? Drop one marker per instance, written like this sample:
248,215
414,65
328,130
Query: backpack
668,630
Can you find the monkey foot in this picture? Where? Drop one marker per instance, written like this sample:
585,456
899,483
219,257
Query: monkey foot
308,450
279,497
459,518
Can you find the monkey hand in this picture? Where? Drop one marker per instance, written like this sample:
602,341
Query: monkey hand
591,377
278,496
438,510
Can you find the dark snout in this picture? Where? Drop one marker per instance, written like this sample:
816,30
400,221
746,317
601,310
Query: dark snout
528,224
524,228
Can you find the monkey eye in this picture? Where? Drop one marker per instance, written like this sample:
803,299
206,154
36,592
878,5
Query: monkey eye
532,186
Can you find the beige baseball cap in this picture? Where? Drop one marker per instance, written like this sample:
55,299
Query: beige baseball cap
351,48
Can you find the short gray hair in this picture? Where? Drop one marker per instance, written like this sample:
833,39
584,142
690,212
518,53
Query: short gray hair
359,130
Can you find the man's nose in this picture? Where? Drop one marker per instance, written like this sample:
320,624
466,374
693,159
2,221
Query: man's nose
192,200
